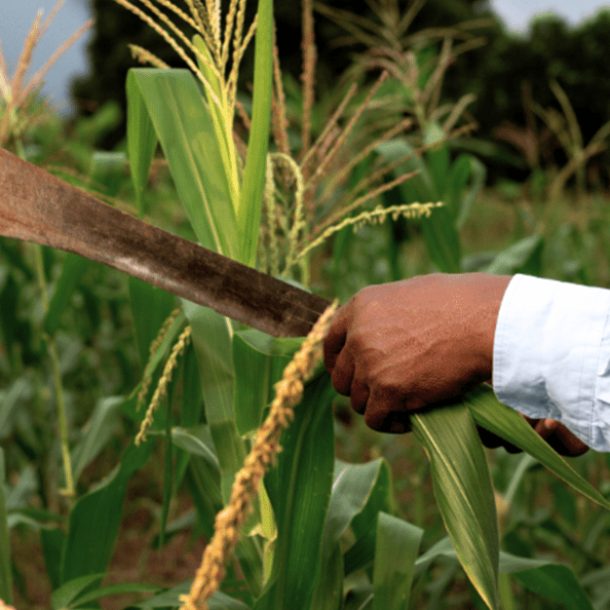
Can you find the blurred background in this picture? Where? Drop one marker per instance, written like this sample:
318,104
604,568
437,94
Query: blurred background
525,45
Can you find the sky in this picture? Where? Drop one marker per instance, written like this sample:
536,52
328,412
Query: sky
16,17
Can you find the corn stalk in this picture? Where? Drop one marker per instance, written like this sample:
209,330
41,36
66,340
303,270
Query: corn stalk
282,567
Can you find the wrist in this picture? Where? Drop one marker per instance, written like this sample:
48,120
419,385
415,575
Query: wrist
493,288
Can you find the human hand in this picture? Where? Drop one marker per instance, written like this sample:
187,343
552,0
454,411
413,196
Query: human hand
417,343
550,430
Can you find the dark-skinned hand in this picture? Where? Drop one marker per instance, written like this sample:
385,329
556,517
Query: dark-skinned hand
421,343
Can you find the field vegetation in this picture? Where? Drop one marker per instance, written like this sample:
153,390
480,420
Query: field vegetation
379,178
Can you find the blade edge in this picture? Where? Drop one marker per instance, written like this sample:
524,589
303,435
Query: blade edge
38,207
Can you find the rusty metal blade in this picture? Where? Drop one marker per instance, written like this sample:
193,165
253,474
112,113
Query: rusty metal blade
38,207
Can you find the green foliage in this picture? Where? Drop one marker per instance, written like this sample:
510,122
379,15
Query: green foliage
396,550
251,197
6,578
87,550
438,179
323,533
173,102
299,489
464,493
551,49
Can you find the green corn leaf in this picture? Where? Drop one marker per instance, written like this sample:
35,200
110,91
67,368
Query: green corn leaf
492,415
524,256
558,583
223,123
256,161
197,441
203,481
67,594
465,168
525,463
252,385
72,271
329,593
6,577
359,492
439,231
52,540
158,305
10,399
249,556
299,488
464,492
88,549
438,160
141,143
271,346
191,413
171,599
96,433
107,168
541,576
259,361
109,590
421,186
442,240
396,550
509,563
34,518
183,125
364,523
212,336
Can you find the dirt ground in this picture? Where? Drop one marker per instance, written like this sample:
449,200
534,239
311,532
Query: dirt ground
135,559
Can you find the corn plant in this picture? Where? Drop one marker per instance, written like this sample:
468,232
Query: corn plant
290,550
20,107
565,127
284,584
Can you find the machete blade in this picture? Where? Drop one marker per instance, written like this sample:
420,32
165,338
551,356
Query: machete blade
38,207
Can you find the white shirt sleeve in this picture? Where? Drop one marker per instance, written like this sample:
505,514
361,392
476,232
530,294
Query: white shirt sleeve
552,355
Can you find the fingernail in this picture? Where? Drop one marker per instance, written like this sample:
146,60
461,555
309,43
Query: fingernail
550,424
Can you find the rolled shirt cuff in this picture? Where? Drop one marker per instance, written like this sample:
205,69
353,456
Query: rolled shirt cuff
552,355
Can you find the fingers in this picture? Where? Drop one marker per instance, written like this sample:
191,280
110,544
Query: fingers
546,427
359,395
489,439
387,411
336,338
564,442
493,441
550,430
380,410
342,371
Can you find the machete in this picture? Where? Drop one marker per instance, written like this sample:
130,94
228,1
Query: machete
38,207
